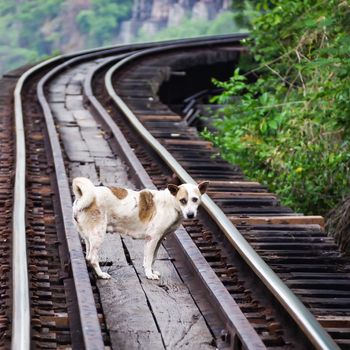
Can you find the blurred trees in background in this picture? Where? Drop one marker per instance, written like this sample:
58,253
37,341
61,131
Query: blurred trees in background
21,39
102,20
224,23
35,29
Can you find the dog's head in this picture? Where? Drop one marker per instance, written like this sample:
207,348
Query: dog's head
188,197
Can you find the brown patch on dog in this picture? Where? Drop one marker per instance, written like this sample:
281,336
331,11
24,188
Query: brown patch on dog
119,192
93,213
92,209
182,193
147,208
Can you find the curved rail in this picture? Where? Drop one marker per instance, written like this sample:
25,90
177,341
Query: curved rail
20,284
296,309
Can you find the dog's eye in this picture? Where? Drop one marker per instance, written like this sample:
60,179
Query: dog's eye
183,201
194,199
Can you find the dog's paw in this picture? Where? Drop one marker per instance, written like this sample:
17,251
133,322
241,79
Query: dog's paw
104,275
156,273
152,275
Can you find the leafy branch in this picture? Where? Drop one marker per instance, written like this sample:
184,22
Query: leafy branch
286,119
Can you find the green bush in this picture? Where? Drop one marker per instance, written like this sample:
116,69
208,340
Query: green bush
288,125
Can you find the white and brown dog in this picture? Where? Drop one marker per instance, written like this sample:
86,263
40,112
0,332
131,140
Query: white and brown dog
146,214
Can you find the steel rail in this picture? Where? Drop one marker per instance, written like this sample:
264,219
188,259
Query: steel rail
20,283
296,309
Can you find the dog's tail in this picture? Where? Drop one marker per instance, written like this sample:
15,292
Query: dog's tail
84,191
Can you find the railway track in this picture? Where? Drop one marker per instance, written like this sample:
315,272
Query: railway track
97,113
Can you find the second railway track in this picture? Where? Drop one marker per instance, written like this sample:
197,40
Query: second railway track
78,114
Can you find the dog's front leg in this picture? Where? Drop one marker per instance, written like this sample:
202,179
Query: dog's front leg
149,257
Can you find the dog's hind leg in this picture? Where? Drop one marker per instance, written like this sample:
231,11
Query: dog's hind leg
95,243
151,248
87,249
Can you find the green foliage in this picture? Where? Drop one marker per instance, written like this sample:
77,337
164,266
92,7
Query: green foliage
222,24
101,21
245,10
23,40
290,126
31,16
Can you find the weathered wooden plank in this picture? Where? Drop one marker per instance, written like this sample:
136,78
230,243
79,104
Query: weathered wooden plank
61,114
97,145
74,145
178,318
273,220
73,89
128,316
71,134
56,97
74,102
235,183
83,119
57,87
156,118
201,143
87,170
79,76
337,284
249,195
114,176
334,321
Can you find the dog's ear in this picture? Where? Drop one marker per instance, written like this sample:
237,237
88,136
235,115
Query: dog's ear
203,186
173,179
173,189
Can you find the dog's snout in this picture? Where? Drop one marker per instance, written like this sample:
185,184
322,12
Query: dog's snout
190,215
